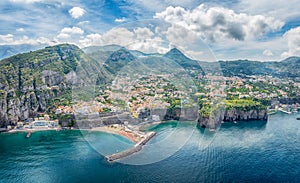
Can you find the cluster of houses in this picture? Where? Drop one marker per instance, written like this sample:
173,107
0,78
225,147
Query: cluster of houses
273,87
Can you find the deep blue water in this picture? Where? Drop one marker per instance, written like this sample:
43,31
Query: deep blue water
243,152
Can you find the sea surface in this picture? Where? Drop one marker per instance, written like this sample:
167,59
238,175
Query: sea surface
254,151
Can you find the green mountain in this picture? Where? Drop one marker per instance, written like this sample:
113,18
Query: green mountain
286,68
101,53
38,81
182,60
117,60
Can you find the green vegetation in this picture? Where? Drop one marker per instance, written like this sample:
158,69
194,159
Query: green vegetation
244,104
41,80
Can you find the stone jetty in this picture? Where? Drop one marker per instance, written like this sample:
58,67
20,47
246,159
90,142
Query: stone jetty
137,147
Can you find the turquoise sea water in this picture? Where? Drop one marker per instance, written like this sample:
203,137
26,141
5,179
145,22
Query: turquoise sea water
242,152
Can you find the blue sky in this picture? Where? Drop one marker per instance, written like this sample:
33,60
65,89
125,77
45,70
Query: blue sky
228,29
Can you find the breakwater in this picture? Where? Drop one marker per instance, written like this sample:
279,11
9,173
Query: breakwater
137,147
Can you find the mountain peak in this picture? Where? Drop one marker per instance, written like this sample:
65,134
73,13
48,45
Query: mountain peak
121,54
175,51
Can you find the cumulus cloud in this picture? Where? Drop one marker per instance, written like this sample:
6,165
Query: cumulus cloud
293,40
143,33
140,38
91,40
7,38
213,23
120,36
67,32
76,12
120,20
10,39
267,53
180,36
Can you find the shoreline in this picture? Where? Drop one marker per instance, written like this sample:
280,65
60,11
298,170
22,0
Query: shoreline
31,130
133,136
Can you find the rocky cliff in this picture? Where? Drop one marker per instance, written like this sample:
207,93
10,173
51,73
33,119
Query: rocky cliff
231,115
240,115
30,82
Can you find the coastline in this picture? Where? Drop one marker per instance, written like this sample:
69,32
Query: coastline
31,130
133,136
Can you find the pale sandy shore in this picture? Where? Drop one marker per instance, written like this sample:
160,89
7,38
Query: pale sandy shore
131,135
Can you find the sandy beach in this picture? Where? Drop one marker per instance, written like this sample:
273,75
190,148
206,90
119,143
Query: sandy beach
131,135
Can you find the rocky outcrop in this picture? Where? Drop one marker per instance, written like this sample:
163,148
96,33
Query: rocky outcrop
240,115
212,121
231,115
15,108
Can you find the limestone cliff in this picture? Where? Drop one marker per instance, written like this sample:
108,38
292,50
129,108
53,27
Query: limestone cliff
29,81
231,115
240,115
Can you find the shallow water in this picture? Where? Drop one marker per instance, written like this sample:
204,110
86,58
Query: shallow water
246,151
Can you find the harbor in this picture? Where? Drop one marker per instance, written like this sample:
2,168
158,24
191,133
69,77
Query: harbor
138,147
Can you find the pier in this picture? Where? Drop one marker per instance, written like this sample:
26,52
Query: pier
284,111
137,147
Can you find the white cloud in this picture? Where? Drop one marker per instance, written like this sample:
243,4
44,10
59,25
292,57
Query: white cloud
143,33
160,5
180,37
267,53
67,32
140,38
91,40
20,30
120,20
25,1
293,40
76,12
10,39
119,36
220,23
150,45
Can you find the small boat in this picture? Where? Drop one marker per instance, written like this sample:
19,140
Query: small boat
28,135
298,118
212,130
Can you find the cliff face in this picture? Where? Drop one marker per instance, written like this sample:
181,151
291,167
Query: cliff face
238,115
231,115
14,108
28,81
213,121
